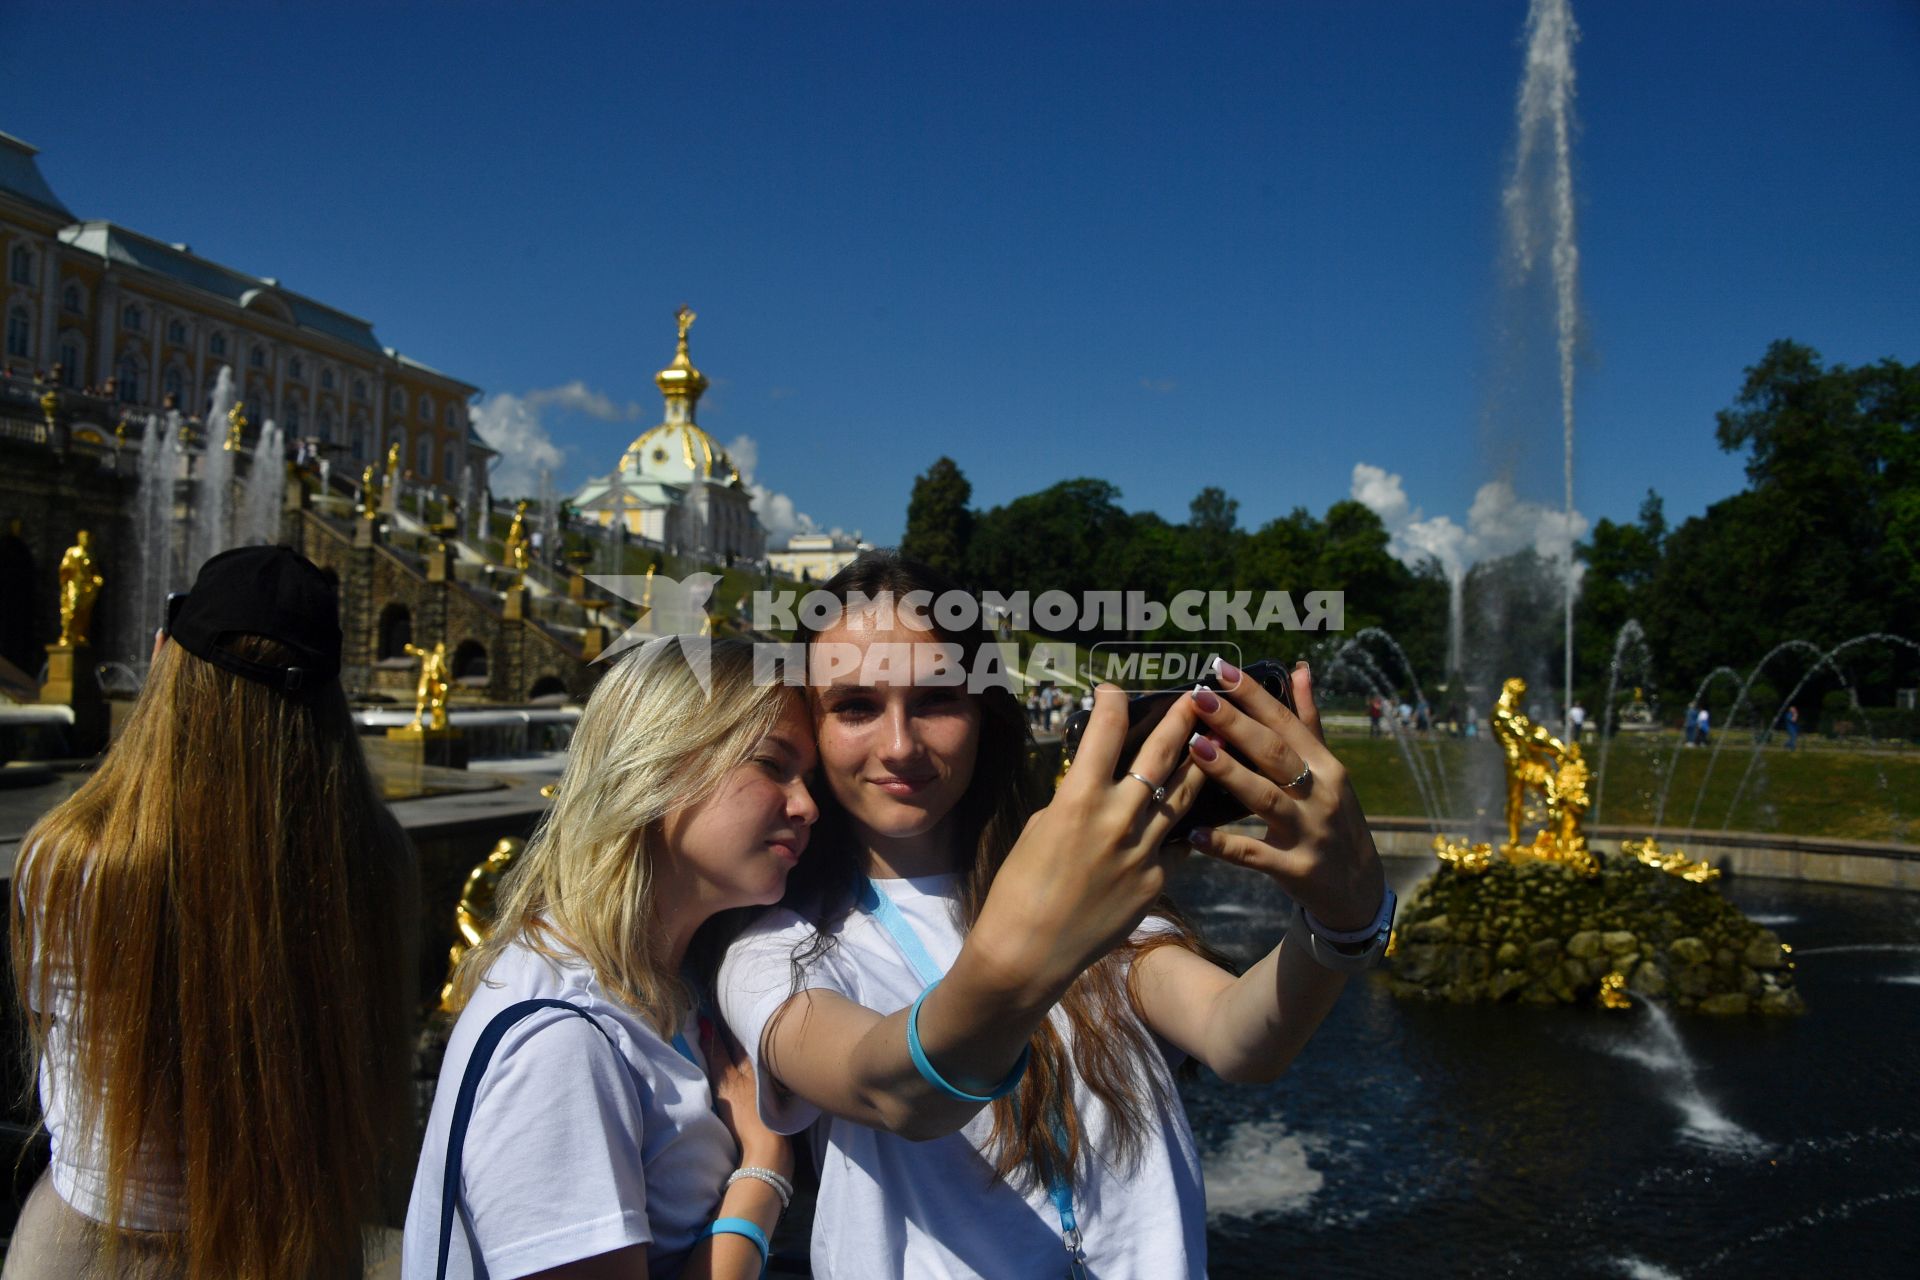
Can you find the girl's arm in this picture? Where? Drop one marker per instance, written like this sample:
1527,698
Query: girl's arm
1078,881
1317,847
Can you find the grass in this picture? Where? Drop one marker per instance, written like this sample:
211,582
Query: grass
1821,790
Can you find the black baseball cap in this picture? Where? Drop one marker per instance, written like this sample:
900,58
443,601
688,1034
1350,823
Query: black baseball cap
262,591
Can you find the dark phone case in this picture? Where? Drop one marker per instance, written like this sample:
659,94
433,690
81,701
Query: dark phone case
1215,806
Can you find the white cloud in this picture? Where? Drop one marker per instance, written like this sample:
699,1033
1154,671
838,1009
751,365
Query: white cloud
578,397
511,424
776,510
1499,523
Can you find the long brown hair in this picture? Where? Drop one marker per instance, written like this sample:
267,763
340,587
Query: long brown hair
650,742
1037,1131
233,908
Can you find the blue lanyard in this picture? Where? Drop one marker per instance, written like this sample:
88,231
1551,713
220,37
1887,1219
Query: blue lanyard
889,916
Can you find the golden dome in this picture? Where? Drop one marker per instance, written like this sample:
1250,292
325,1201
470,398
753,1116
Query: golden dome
680,380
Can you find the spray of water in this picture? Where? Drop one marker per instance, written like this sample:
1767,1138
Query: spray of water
1538,200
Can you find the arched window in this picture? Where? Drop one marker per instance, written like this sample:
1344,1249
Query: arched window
257,357
325,420
174,383
397,400
470,662
360,389
446,465
73,355
217,344
423,460
326,379
358,439
128,376
72,299
132,319
22,264
426,408
296,368
453,418
396,631
19,332
292,417
177,333
548,687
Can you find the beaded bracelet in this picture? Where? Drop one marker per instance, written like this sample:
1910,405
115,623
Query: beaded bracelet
743,1227
921,1064
780,1185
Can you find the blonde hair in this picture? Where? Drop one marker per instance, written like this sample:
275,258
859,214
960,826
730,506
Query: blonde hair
234,908
651,742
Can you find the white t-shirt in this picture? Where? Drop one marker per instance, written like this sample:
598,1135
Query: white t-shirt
891,1207
574,1150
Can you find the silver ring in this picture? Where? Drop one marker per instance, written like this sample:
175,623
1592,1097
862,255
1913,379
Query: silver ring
1306,771
1159,792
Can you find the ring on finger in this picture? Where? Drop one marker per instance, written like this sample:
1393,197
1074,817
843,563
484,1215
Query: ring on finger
1306,772
1159,791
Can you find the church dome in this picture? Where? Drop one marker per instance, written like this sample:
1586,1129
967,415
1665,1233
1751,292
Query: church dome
680,380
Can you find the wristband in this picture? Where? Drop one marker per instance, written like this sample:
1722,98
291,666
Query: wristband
920,1063
1383,919
754,1172
742,1227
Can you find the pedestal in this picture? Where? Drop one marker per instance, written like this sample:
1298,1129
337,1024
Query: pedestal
71,683
366,533
446,748
437,562
516,602
593,642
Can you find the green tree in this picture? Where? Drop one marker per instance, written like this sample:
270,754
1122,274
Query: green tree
939,522
1622,561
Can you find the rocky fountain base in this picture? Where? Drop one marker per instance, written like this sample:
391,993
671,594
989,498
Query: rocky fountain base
1540,932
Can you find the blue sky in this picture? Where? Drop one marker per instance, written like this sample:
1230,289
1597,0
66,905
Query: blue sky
1245,245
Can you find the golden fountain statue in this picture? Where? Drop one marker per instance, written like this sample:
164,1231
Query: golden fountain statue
516,552
393,461
236,423
430,697
79,587
473,917
369,494
1538,762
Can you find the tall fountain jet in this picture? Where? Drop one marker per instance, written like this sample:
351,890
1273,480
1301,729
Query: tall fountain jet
207,527
1538,199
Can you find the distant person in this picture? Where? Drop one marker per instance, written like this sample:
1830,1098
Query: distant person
598,1145
1576,722
1701,727
210,939
1375,709
1793,728
1690,726
1406,715
1422,716
1473,725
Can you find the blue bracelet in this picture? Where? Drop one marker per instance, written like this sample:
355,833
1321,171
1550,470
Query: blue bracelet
742,1227
918,1053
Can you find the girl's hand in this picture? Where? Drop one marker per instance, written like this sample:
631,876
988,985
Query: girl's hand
736,1101
1317,844
1087,867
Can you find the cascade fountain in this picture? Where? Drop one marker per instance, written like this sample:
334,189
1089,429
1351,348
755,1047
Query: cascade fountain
207,526
264,490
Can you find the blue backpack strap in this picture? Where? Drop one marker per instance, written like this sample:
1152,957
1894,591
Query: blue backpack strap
483,1049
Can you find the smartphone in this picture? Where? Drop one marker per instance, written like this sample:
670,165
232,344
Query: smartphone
1215,806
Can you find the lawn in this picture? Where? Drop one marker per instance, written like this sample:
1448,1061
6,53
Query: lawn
1857,793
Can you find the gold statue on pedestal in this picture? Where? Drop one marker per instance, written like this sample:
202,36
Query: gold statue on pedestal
393,462
236,423
79,587
430,697
1537,762
473,917
516,552
369,494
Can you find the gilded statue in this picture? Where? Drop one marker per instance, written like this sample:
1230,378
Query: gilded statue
516,552
236,423
430,696
393,461
1537,762
79,587
473,917
369,494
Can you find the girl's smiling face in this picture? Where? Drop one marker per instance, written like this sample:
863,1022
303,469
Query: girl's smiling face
897,755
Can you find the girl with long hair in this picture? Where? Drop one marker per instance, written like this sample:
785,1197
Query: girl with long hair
975,1004
575,1125
211,940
